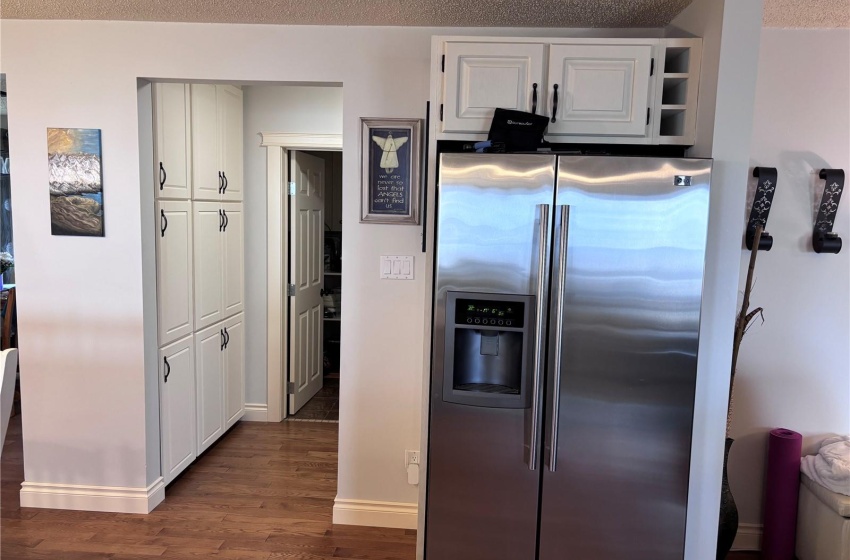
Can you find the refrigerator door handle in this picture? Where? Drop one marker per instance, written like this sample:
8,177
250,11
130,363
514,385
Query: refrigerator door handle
560,289
540,330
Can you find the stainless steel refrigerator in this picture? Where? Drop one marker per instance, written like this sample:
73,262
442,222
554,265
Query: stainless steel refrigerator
566,324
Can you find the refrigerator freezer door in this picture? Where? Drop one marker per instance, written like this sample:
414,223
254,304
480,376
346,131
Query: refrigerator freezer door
632,290
492,238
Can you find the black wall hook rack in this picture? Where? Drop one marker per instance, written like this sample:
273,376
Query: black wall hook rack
762,201
823,238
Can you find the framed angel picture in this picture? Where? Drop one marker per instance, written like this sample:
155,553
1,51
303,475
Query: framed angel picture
391,152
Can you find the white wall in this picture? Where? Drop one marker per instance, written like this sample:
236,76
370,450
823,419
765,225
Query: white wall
794,370
291,109
727,89
81,303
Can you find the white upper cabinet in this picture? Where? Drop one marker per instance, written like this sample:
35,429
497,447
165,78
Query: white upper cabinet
610,91
172,141
174,271
217,142
479,77
230,134
206,168
599,90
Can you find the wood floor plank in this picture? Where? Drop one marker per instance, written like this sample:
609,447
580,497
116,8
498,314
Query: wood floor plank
264,491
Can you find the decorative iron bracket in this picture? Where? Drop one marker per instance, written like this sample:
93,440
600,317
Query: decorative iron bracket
823,238
762,202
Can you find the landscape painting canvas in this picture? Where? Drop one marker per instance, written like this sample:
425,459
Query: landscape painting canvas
76,189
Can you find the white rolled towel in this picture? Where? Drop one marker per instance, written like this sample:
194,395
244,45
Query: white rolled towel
830,467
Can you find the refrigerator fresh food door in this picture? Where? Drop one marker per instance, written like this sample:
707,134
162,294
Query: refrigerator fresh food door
627,286
492,269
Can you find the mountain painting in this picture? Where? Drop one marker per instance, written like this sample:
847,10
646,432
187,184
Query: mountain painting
76,188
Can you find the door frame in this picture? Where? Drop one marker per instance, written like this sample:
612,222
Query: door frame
278,145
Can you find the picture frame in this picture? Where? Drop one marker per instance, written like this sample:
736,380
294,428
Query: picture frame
391,167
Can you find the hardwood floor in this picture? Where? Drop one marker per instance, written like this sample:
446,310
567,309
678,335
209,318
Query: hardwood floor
263,492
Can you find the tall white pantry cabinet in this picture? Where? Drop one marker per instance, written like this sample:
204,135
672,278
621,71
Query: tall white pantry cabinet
200,267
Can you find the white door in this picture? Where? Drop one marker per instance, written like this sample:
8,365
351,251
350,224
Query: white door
231,140
174,270
209,359
234,370
209,263
233,273
603,90
306,273
177,407
173,144
206,153
480,77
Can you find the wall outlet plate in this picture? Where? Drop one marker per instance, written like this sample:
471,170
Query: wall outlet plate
411,457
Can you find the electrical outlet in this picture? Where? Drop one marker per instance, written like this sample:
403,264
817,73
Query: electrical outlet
411,458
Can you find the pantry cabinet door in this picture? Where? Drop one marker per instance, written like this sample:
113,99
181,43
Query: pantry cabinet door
231,140
480,77
234,368
206,152
177,407
172,141
174,270
209,263
602,90
209,359
233,272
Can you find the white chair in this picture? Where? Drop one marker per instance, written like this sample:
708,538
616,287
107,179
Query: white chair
9,364
823,523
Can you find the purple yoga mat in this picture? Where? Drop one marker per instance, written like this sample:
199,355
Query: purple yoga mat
781,489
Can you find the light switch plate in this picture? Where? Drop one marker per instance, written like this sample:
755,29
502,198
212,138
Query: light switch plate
397,267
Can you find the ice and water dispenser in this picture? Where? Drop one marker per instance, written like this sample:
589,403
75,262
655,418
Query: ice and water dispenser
488,342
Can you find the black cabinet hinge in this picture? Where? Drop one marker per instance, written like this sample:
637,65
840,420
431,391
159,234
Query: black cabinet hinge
441,112
647,116
443,64
652,67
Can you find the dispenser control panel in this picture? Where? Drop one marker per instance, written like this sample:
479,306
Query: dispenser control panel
490,313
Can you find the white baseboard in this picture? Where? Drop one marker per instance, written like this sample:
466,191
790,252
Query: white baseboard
397,515
116,499
256,413
748,537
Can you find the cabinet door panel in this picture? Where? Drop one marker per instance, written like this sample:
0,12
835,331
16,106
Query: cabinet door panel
206,154
209,357
177,407
209,262
231,140
480,77
234,259
603,90
234,356
173,146
174,270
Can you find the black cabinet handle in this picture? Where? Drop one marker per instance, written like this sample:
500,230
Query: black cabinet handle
226,219
223,345
555,103
220,182
167,369
162,176
220,220
226,338
224,189
163,222
534,98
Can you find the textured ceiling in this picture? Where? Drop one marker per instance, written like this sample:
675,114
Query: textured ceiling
449,13
441,13
807,13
